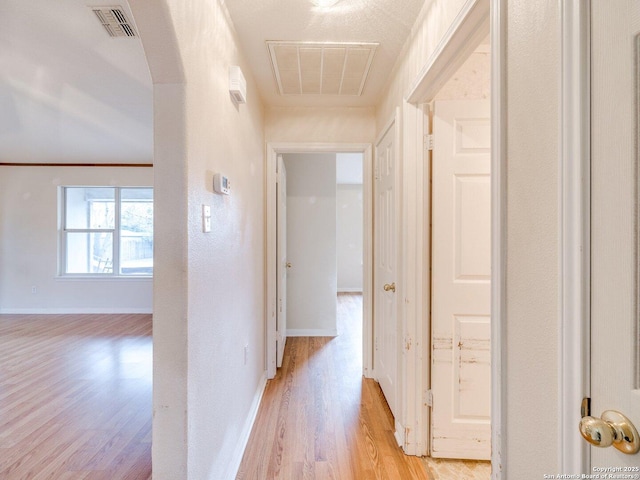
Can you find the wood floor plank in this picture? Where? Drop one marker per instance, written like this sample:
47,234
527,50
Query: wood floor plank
75,397
319,419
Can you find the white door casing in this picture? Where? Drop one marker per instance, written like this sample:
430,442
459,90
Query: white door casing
461,281
475,20
415,326
281,263
614,221
385,266
272,151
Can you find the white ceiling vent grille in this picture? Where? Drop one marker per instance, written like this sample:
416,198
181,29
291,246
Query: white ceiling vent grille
303,68
114,21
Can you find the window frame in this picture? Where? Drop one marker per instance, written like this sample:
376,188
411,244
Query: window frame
115,232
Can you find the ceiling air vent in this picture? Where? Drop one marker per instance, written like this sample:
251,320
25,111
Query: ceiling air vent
304,68
114,21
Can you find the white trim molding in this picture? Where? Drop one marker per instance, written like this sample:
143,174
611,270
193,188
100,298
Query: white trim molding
416,295
574,316
498,238
466,32
77,311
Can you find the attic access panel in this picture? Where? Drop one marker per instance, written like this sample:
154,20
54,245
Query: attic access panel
308,68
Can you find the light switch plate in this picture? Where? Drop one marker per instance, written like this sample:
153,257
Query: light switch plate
206,218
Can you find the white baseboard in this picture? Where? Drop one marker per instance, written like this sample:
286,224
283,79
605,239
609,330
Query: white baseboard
73,311
399,434
236,459
350,290
312,332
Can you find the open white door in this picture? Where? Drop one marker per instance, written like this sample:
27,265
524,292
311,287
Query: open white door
281,262
385,268
615,368
461,281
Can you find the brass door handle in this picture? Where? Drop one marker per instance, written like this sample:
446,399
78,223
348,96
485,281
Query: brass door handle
391,287
613,428
288,265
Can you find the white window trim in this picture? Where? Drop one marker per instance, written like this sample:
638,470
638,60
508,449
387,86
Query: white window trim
115,231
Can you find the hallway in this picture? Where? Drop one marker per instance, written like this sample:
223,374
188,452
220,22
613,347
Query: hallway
320,419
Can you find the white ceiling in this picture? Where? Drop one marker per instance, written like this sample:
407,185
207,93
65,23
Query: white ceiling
387,22
70,93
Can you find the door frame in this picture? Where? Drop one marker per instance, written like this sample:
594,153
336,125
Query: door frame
574,208
272,151
574,370
499,384
475,20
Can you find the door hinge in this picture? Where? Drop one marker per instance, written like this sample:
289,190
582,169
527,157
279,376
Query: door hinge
428,398
375,346
585,407
428,142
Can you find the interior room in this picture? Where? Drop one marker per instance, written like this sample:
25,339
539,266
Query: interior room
151,319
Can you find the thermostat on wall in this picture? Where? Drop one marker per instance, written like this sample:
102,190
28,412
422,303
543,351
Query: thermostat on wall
221,184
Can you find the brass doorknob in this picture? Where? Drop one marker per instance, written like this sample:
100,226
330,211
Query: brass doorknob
391,287
613,428
288,265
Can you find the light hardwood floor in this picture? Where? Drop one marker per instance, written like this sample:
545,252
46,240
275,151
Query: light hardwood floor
319,419
75,397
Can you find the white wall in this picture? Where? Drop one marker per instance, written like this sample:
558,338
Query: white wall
311,244
209,287
316,124
29,244
532,303
349,230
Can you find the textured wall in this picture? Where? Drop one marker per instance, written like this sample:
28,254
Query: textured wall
316,124
209,290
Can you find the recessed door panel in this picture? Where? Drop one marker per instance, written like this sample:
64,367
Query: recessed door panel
461,281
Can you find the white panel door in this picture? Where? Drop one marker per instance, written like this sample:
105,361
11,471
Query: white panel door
614,223
385,254
281,263
461,281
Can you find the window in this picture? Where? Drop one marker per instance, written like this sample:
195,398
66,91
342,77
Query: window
107,231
